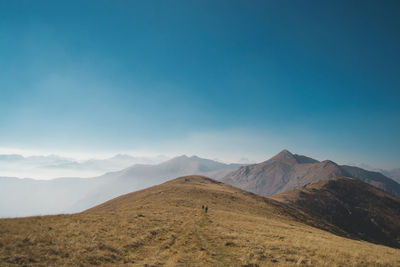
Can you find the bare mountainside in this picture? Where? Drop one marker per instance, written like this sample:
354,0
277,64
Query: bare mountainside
165,225
287,171
27,197
358,208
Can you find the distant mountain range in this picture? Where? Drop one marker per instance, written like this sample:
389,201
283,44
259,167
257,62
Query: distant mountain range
25,197
51,166
284,172
141,176
287,171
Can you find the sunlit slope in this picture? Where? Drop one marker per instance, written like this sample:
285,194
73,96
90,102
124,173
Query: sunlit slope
165,225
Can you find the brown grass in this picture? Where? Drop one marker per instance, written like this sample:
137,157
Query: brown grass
165,225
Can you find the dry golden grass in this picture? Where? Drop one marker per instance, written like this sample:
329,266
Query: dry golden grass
165,225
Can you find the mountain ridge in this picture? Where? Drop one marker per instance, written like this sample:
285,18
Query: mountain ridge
28,197
286,171
362,210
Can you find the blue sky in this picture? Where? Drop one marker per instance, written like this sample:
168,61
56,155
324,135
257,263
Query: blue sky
220,79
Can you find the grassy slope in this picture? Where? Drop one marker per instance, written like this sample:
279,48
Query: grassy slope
165,225
360,209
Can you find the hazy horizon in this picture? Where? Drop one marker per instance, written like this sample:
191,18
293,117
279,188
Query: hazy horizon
24,164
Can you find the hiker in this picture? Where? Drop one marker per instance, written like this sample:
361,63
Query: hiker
206,209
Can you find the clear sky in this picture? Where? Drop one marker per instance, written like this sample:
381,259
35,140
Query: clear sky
220,79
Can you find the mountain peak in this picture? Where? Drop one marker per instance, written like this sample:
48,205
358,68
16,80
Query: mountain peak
180,157
284,155
285,151
329,162
186,158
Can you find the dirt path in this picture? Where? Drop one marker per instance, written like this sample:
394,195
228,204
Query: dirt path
197,245
209,245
